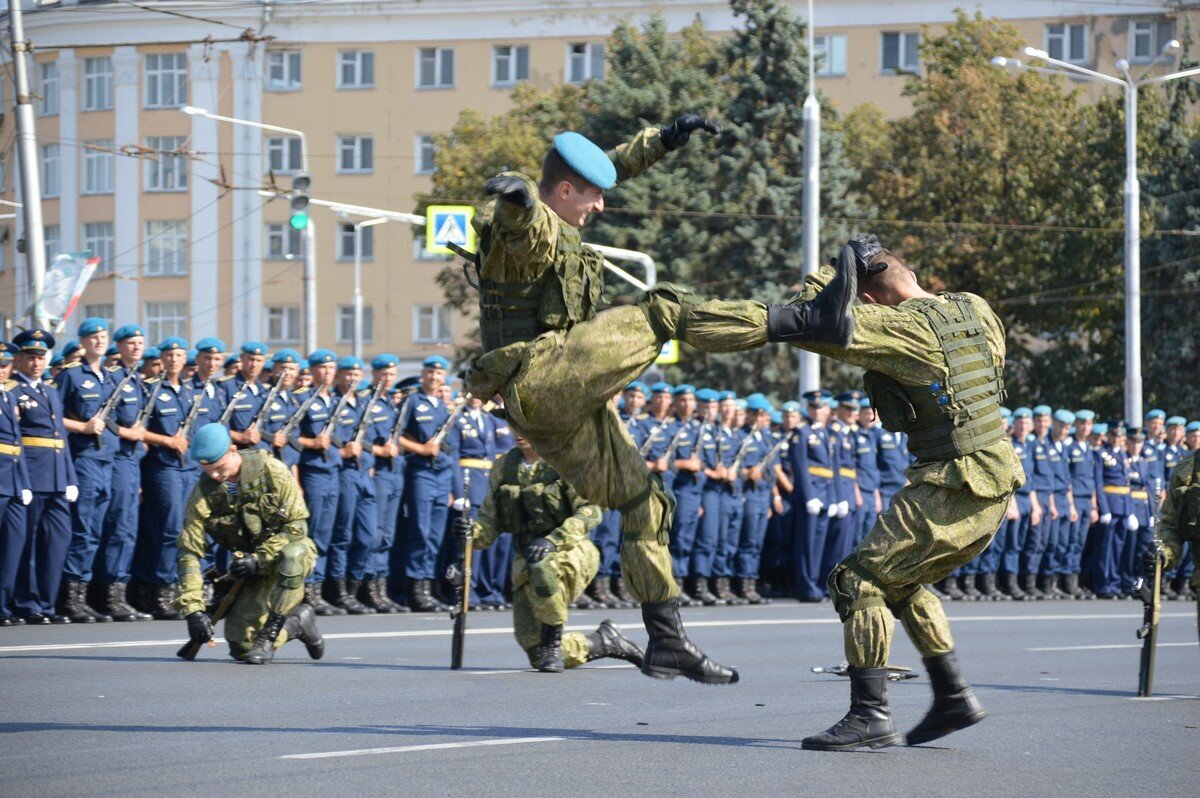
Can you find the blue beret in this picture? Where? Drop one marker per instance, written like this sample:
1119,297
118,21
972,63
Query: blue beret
408,382
758,403
1085,415
210,345
34,341
319,356
864,402
791,407
1192,426
71,346
112,350
683,389
1176,421
385,361
349,362
637,385
728,395
586,159
1042,410
1022,412
661,387
436,362
56,360
128,331
776,417
1064,416
231,360
91,326
706,395
740,403
254,348
7,351
1005,412
755,396
150,353
286,356
1100,428
210,444
1156,414
191,357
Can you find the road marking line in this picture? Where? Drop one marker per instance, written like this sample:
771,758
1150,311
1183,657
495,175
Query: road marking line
1108,646
404,749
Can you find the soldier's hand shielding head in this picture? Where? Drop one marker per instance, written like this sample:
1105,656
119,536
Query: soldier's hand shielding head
865,247
676,134
511,189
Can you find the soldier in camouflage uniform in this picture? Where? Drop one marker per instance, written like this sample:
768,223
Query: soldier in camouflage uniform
557,362
247,501
554,559
1180,522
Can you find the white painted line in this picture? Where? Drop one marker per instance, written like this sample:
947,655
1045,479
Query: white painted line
1163,698
1110,645
404,749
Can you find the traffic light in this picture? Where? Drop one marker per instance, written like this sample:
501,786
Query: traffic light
300,184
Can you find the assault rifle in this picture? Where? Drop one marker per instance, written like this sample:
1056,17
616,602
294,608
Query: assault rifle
402,416
459,575
294,421
190,421
1149,589
191,648
736,466
360,432
110,404
439,437
260,419
676,441
331,424
227,413
649,442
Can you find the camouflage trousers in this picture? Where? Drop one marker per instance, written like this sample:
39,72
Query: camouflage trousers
558,393
575,569
925,533
277,588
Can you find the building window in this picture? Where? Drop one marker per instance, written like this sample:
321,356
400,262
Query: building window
283,71
346,242
421,253
1067,42
585,61
283,154
166,80
510,64
98,167
52,234
356,154
900,52
48,88
98,238
166,248
431,324
283,324
345,323
167,171
435,68
356,69
830,54
97,84
51,170
1148,37
426,150
104,310
164,319
283,241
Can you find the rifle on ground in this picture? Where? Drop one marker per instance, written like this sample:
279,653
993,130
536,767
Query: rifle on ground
294,421
459,575
1149,589
110,404
895,673
191,648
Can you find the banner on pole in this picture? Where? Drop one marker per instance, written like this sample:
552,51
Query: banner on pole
64,283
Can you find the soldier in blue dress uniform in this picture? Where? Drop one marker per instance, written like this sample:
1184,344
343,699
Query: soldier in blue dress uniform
354,517
1116,510
16,491
1085,476
318,469
241,396
1175,584
389,486
866,461
1043,485
813,468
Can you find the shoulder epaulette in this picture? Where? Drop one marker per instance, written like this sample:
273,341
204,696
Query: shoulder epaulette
51,383
226,378
302,391
10,384
74,365
152,380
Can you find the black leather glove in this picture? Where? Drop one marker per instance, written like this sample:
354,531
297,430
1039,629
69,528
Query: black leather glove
200,627
537,550
676,134
461,527
1150,561
243,567
865,247
511,189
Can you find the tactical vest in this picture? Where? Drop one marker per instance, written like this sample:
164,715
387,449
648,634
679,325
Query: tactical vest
1188,495
955,418
566,293
535,509
257,514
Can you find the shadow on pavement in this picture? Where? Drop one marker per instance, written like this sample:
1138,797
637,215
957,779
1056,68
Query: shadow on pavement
1045,688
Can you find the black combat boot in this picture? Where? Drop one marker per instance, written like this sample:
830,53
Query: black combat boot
949,587
550,658
954,705
1013,590
607,641
622,592
1062,586
163,609
347,590
314,599
1028,583
1047,583
966,584
824,319
73,604
599,593
263,650
381,600
116,606
725,592
301,624
937,594
421,598
685,600
586,602
669,652
701,593
869,721
989,589
749,591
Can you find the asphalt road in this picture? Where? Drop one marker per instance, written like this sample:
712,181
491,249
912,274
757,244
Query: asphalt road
109,710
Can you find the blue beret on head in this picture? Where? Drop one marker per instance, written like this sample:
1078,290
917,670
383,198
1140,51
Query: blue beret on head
286,356
683,389
56,360
319,356
128,331
758,403
34,341
71,346
661,387
755,396
706,395
349,362
741,404
436,362
1005,412
385,361
1022,412
1042,410
211,345
728,395
1153,414
1192,426
637,385
91,326
210,444
112,350
776,417
191,357
1064,416
1100,428
254,348
1085,415
1176,421
586,159
864,402
174,342
791,407
150,353
230,360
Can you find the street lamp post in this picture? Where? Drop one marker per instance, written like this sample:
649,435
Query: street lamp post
309,274
358,297
810,364
1133,260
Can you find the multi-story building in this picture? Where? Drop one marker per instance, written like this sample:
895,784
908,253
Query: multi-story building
170,201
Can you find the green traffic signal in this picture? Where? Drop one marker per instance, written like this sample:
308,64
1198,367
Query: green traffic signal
299,220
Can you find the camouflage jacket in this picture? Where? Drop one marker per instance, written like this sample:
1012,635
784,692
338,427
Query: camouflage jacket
1181,511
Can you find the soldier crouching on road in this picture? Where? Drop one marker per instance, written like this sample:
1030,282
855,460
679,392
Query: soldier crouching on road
554,559
248,502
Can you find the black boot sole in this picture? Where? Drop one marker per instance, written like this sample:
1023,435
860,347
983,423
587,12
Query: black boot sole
877,742
949,727
664,673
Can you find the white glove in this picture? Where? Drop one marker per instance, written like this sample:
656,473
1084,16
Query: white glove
459,504
1131,523
72,493
1151,523
1106,518
832,511
814,506
26,497
843,509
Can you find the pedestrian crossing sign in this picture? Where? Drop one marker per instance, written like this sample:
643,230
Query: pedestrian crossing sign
669,355
449,224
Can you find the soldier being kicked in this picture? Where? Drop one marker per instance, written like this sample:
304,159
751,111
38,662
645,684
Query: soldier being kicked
554,559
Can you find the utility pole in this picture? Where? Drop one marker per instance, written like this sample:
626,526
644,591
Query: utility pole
27,158
810,364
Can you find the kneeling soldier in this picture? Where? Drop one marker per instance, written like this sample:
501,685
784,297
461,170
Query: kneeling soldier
248,502
554,559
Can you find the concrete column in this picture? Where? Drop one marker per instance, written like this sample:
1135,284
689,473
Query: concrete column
247,206
203,269
127,188
70,151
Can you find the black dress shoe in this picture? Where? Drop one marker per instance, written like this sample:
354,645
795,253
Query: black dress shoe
11,620
37,619
61,620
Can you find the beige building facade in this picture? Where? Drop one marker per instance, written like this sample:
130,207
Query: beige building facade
170,200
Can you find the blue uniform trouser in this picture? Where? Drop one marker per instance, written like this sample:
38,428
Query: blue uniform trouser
776,551
489,567
425,502
95,476
809,532
886,493
115,558
839,542
1035,541
708,533
1058,537
365,537
683,529
607,538
389,488
165,492
1133,544
48,525
321,495
1109,543
988,561
14,531
1076,533
754,529
866,516
1012,535
733,507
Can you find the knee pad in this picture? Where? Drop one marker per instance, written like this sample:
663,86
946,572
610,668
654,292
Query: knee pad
850,592
290,565
544,577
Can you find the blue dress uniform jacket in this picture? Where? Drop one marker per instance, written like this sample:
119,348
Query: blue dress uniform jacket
14,478
1084,465
1038,536
757,503
733,502
813,463
389,486
474,437
1114,500
686,487
247,400
708,530
115,557
212,402
318,477
14,475
354,515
